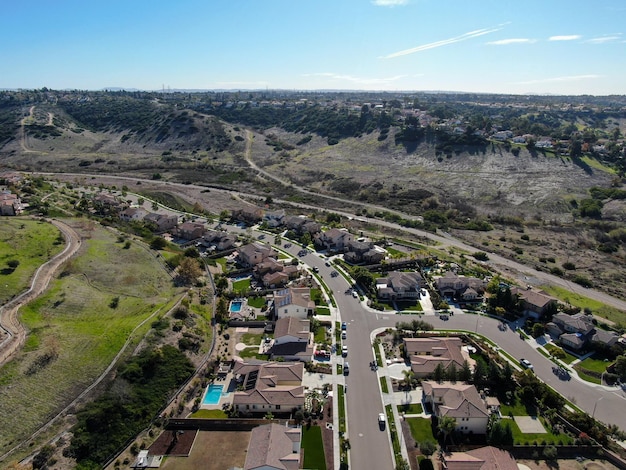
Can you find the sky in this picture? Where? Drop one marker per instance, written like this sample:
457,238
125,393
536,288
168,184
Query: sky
484,46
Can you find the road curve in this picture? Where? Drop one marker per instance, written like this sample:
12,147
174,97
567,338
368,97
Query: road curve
9,318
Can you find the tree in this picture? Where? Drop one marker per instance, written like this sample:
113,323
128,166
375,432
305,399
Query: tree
158,243
620,367
538,330
428,447
451,372
188,270
439,373
13,264
550,452
465,374
446,426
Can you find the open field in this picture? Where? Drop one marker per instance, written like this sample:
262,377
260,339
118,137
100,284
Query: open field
30,242
213,451
75,330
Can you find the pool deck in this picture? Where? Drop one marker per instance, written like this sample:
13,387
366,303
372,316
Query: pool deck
226,397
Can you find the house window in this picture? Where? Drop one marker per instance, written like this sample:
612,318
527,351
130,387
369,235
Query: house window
247,407
286,311
278,407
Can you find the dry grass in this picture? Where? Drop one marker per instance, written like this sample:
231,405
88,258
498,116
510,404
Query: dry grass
213,451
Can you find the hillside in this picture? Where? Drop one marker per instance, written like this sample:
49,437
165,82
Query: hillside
485,191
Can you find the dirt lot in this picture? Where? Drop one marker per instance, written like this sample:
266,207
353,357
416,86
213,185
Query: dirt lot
213,451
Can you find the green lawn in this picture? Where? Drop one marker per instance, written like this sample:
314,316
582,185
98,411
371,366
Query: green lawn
342,407
517,409
520,438
209,414
595,365
322,311
29,242
568,357
242,285
320,334
415,306
393,431
383,384
421,429
411,408
74,322
313,448
256,302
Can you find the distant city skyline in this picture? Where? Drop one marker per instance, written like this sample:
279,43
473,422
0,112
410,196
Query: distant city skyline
565,47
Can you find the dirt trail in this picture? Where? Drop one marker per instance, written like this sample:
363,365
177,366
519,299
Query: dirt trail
23,131
9,319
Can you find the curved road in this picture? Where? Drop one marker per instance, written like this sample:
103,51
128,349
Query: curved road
9,320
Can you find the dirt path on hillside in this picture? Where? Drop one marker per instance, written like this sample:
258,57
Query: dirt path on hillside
14,331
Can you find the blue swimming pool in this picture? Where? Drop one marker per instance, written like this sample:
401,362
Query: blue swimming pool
213,394
235,306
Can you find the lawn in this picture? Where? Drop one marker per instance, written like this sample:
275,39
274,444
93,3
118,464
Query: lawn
74,326
313,448
415,306
252,339
29,242
320,334
241,285
322,311
256,302
547,437
383,384
395,441
253,353
411,408
342,407
568,357
209,414
591,369
421,429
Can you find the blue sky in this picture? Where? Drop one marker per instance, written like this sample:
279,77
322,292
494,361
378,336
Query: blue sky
491,46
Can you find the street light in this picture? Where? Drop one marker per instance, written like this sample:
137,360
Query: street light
594,407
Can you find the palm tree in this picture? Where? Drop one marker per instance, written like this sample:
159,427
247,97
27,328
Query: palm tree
446,426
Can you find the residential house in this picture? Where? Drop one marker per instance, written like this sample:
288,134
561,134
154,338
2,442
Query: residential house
482,458
400,286
293,340
425,354
161,222
274,387
274,447
133,214
219,241
363,252
106,203
273,273
459,401
301,225
577,331
274,219
190,230
293,302
248,214
534,302
10,204
254,253
462,288
334,240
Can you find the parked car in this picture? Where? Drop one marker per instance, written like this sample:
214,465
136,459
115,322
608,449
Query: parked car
344,325
287,245
355,294
525,363
344,335
381,420
346,368
316,269
344,350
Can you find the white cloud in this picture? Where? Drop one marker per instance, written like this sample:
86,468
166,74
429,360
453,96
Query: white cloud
506,42
571,78
444,42
570,37
389,3
604,39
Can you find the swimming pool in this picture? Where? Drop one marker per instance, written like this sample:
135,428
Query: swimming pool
213,394
235,306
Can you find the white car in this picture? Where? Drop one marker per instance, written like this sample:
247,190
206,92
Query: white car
526,364
381,420
344,350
